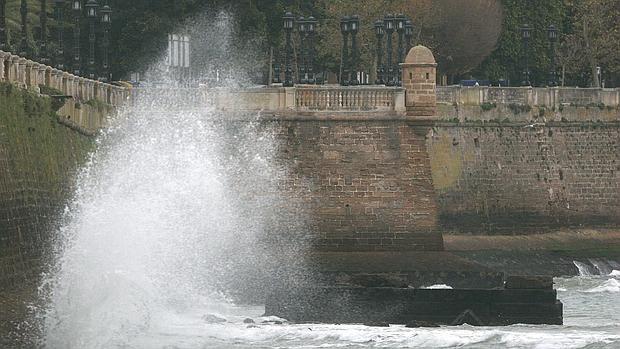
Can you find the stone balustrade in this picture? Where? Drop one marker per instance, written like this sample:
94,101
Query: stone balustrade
313,99
533,96
349,99
32,75
79,111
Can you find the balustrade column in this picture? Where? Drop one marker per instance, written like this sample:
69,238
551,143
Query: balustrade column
29,74
83,86
108,94
21,72
79,91
91,90
98,89
53,78
43,79
13,69
3,57
66,84
58,75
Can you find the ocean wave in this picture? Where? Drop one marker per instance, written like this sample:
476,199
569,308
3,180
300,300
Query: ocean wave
610,286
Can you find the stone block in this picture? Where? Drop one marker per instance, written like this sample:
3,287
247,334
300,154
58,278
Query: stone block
529,282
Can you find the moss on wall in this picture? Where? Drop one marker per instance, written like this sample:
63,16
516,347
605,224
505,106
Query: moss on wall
38,157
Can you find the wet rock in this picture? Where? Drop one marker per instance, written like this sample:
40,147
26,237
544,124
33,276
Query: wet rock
377,324
467,317
248,321
212,319
419,323
377,280
529,282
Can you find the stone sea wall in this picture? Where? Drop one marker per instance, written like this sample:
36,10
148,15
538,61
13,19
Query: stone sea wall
504,168
519,177
38,158
367,184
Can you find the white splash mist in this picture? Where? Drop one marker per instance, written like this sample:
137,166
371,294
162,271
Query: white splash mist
176,209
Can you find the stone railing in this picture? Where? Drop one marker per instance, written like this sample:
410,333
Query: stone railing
78,90
552,97
311,99
349,99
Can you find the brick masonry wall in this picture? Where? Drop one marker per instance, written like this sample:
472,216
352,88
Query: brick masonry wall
367,184
517,178
38,157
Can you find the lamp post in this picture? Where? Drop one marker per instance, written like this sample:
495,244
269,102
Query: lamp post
23,47
408,34
60,52
91,10
288,20
525,35
76,8
400,28
276,73
389,29
354,27
3,38
301,27
552,33
106,21
344,29
43,56
311,29
380,32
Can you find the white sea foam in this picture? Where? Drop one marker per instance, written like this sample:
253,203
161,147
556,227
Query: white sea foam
438,287
610,286
615,273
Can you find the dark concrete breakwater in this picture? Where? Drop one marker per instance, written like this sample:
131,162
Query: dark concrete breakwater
522,300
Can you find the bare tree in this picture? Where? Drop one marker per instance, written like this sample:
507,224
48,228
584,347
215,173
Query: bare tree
596,24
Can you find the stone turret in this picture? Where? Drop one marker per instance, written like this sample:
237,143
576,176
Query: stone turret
419,81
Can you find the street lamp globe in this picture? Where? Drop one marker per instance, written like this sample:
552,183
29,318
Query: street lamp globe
525,31
301,24
355,23
345,24
106,14
408,28
552,32
311,24
76,5
379,28
400,22
91,8
389,23
289,19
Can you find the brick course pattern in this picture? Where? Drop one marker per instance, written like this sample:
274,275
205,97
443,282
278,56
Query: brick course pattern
367,184
38,157
520,178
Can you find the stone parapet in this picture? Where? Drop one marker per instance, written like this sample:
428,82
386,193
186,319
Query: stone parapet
31,75
78,93
532,96
298,100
